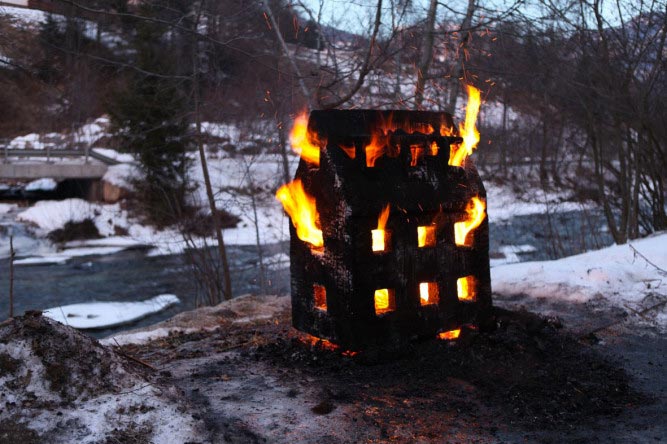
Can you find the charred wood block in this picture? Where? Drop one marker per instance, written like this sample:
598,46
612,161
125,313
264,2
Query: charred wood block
421,282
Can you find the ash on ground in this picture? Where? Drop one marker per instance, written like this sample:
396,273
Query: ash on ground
528,381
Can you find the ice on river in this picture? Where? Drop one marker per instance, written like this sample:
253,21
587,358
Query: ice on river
109,314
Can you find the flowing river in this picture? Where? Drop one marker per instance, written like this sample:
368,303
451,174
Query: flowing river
132,275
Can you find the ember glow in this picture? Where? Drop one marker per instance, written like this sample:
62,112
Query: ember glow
301,140
449,335
433,149
379,236
416,152
320,296
302,209
467,129
315,342
476,211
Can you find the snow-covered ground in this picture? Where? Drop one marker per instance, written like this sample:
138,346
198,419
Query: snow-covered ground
65,387
631,277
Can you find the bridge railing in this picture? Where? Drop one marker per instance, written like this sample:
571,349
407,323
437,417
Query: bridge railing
86,154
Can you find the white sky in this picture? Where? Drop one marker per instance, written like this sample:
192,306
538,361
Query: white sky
357,15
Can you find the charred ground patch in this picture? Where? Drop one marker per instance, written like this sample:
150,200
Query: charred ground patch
526,381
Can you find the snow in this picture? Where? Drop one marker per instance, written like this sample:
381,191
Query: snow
115,155
53,215
121,175
142,337
24,15
44,184
63,256
92,132
108,314
229,175
34,141
102,394
511,254
6,208
614,276
42,260
112,241
503,204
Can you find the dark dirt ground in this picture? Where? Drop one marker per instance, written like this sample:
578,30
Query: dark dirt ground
529,381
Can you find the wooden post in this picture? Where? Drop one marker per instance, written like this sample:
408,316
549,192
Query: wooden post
11,276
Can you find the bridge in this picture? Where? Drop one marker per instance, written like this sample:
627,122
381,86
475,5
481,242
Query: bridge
29,164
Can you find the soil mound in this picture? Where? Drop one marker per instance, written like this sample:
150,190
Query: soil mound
59,385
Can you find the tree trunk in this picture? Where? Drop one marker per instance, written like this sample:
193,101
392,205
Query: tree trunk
222,250
283,45
459,69
426,53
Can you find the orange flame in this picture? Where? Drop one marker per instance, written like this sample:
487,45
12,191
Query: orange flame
300,139
446,130
375,149
350,150
467,129
449,335
476,210
379,236
379,143
384,216
416,152
302,209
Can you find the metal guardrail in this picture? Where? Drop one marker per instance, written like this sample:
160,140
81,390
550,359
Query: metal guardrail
49,153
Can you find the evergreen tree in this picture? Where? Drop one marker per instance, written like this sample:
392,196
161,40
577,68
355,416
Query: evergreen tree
151,115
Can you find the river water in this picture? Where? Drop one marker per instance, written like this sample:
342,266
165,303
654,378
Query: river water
133,275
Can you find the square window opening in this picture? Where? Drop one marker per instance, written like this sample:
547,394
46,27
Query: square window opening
320,297
426,236
466,289
385,301
381,240
429,293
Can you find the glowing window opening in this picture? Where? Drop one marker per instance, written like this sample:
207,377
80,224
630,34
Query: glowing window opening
465,289
385,301
320,296
429,293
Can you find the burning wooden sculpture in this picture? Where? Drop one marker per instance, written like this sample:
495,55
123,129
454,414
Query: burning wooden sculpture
389,237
